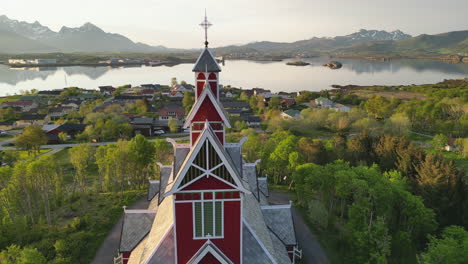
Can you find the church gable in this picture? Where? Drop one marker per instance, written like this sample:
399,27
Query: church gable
207,165
205,108
207,160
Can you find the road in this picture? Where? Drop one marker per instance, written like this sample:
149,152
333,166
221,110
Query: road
307,240
110,245
62,146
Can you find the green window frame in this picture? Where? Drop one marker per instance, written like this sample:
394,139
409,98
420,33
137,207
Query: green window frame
208,219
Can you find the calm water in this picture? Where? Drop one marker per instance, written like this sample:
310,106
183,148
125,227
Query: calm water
276,76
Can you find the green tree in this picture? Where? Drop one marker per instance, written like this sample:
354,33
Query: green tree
143,153
81,157
274,103
439,142
188,101
15,255
173,81
31,139
63,137
451,247
173,126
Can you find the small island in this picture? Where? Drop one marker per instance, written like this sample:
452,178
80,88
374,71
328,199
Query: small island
333,65
297,63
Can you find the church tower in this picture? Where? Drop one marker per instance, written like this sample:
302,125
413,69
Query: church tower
208,187
207,108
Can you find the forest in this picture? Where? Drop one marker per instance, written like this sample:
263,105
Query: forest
373,189
58,208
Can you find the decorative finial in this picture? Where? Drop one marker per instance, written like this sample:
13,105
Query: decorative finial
206,24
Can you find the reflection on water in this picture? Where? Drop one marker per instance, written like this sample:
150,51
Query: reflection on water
240,73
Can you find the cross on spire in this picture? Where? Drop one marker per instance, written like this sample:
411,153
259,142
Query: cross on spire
206,24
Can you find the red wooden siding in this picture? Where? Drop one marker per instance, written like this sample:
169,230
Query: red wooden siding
207,111
210,183
229,245
209,259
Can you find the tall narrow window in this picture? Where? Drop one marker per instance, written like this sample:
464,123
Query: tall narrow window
208,219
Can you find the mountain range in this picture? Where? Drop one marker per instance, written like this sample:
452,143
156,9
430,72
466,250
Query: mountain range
22,37
18,37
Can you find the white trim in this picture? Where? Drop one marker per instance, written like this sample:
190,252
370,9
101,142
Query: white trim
175,227
259,242
210,249
199,102
282,206
139,211
205,135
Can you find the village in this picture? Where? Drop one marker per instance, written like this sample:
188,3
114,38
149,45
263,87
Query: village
149,109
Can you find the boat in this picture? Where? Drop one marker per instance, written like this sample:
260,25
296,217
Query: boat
297,63
333,65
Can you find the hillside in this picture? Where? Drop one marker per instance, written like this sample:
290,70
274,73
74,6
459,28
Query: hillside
11,42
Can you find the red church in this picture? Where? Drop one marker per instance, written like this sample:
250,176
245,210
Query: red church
209,206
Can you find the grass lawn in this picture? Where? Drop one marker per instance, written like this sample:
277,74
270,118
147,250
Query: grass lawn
4,138
23,154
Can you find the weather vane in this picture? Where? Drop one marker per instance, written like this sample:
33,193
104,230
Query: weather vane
206,24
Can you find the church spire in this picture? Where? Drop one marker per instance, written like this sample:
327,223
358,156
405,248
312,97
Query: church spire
206,24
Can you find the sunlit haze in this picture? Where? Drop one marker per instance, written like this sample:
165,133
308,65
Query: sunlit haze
175,23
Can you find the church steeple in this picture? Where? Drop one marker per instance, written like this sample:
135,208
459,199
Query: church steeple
207,106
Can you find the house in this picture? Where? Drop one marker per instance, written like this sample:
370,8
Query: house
175,93
260,91
251,120
323,102
28,120
70,129
50,92
60,111
182,88
226,94
234,111
40,100
232,104
208,206
143,126
288,102
71,103
107,90
290,114
168,111
5,125
24,105
154,87
340,107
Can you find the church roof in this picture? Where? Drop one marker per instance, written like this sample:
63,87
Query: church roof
280,221
136,225
207,94
206,134
206,63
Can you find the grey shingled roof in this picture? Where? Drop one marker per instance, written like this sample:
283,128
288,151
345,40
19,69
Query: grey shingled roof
206,63
165,252
250,176
263,186
166,172
153,189
179,156
136,225
279,219
280,253
252,252
234,151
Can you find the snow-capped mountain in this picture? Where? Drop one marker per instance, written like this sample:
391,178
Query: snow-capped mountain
34,31
87,38
364,35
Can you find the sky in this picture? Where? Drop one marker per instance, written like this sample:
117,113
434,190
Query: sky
174,23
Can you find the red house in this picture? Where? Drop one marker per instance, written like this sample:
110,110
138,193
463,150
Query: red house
209,206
